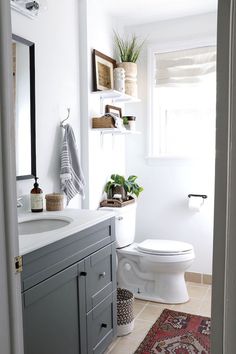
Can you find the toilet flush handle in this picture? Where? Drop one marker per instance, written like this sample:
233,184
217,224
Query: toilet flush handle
119,218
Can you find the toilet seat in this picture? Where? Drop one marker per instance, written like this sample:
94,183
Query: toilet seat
164,257
164,247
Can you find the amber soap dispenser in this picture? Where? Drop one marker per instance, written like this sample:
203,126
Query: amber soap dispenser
36,198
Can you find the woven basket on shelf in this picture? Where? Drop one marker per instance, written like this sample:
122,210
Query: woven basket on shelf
116,203
103,122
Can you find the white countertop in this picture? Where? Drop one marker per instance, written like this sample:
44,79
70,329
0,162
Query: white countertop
79,220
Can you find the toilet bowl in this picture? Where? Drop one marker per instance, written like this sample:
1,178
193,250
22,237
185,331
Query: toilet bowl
158,274
153,269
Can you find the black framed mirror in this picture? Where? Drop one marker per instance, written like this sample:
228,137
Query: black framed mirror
24,106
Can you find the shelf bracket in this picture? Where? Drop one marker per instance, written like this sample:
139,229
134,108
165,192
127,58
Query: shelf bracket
101,139
101,105
113,141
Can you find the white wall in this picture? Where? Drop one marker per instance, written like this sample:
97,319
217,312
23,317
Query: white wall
162,207
102,155
56,36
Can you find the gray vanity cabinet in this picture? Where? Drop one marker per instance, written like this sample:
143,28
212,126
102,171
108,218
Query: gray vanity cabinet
54,314
73,310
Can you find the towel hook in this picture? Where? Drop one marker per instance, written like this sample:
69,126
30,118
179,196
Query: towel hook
68,116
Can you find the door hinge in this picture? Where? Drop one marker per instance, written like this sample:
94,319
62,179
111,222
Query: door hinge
18,264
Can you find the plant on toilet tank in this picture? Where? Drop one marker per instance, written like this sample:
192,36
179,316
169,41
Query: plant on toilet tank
125,187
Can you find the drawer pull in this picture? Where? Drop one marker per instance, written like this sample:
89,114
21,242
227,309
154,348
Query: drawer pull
104,325
102,275
83,274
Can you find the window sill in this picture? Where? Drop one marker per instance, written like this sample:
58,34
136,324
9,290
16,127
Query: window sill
177,158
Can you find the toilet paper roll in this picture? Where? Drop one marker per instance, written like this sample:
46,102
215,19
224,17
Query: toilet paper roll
195,203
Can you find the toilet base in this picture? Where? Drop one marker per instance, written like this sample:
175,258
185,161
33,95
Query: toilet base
153,291
165,286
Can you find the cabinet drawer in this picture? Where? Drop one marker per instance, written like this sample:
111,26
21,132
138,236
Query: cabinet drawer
101,325
100,271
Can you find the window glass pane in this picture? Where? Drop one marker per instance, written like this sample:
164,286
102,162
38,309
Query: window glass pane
183,120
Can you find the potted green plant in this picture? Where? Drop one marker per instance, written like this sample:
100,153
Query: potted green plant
128,52
127,188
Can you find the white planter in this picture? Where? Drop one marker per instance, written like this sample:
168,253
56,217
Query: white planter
130,77
132,125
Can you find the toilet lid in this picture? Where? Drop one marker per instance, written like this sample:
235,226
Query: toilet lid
164,247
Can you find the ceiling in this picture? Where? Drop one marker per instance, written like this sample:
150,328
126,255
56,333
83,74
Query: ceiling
133,12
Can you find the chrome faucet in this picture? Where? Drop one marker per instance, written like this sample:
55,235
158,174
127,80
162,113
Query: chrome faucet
19,203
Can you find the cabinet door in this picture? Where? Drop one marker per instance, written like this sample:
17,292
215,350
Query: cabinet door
100,270
54,315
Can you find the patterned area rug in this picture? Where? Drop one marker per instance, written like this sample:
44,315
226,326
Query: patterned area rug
177,333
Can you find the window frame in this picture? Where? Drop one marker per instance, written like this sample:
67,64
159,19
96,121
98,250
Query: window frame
162,47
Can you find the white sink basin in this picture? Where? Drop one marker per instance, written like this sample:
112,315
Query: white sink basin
37,226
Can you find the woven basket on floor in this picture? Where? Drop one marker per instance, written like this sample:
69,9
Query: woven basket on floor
125,312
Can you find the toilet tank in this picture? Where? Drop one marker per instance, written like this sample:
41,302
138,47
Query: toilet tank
125,221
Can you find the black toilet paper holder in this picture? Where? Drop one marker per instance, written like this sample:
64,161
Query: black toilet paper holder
204,196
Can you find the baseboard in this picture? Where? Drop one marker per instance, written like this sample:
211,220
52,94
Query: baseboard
198,278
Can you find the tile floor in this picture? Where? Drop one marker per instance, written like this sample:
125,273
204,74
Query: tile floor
146,313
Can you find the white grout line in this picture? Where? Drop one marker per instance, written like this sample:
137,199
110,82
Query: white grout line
200,298
141,310
203,301
206,295
116,341
118,338
197,285
142,320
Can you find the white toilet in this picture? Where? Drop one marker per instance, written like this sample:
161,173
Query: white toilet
153,269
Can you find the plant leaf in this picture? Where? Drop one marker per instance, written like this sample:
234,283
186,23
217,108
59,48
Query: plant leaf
128,49
107,187
127,186
132,178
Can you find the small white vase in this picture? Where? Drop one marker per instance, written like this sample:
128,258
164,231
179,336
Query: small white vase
130,77
119,79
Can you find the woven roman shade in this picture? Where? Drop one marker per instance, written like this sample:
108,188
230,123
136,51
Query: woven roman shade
183,67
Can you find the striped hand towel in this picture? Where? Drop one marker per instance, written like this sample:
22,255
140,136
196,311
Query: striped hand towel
72,178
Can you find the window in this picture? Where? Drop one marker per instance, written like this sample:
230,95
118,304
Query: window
183,103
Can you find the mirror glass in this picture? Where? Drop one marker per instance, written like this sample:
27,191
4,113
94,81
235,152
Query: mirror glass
24,106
